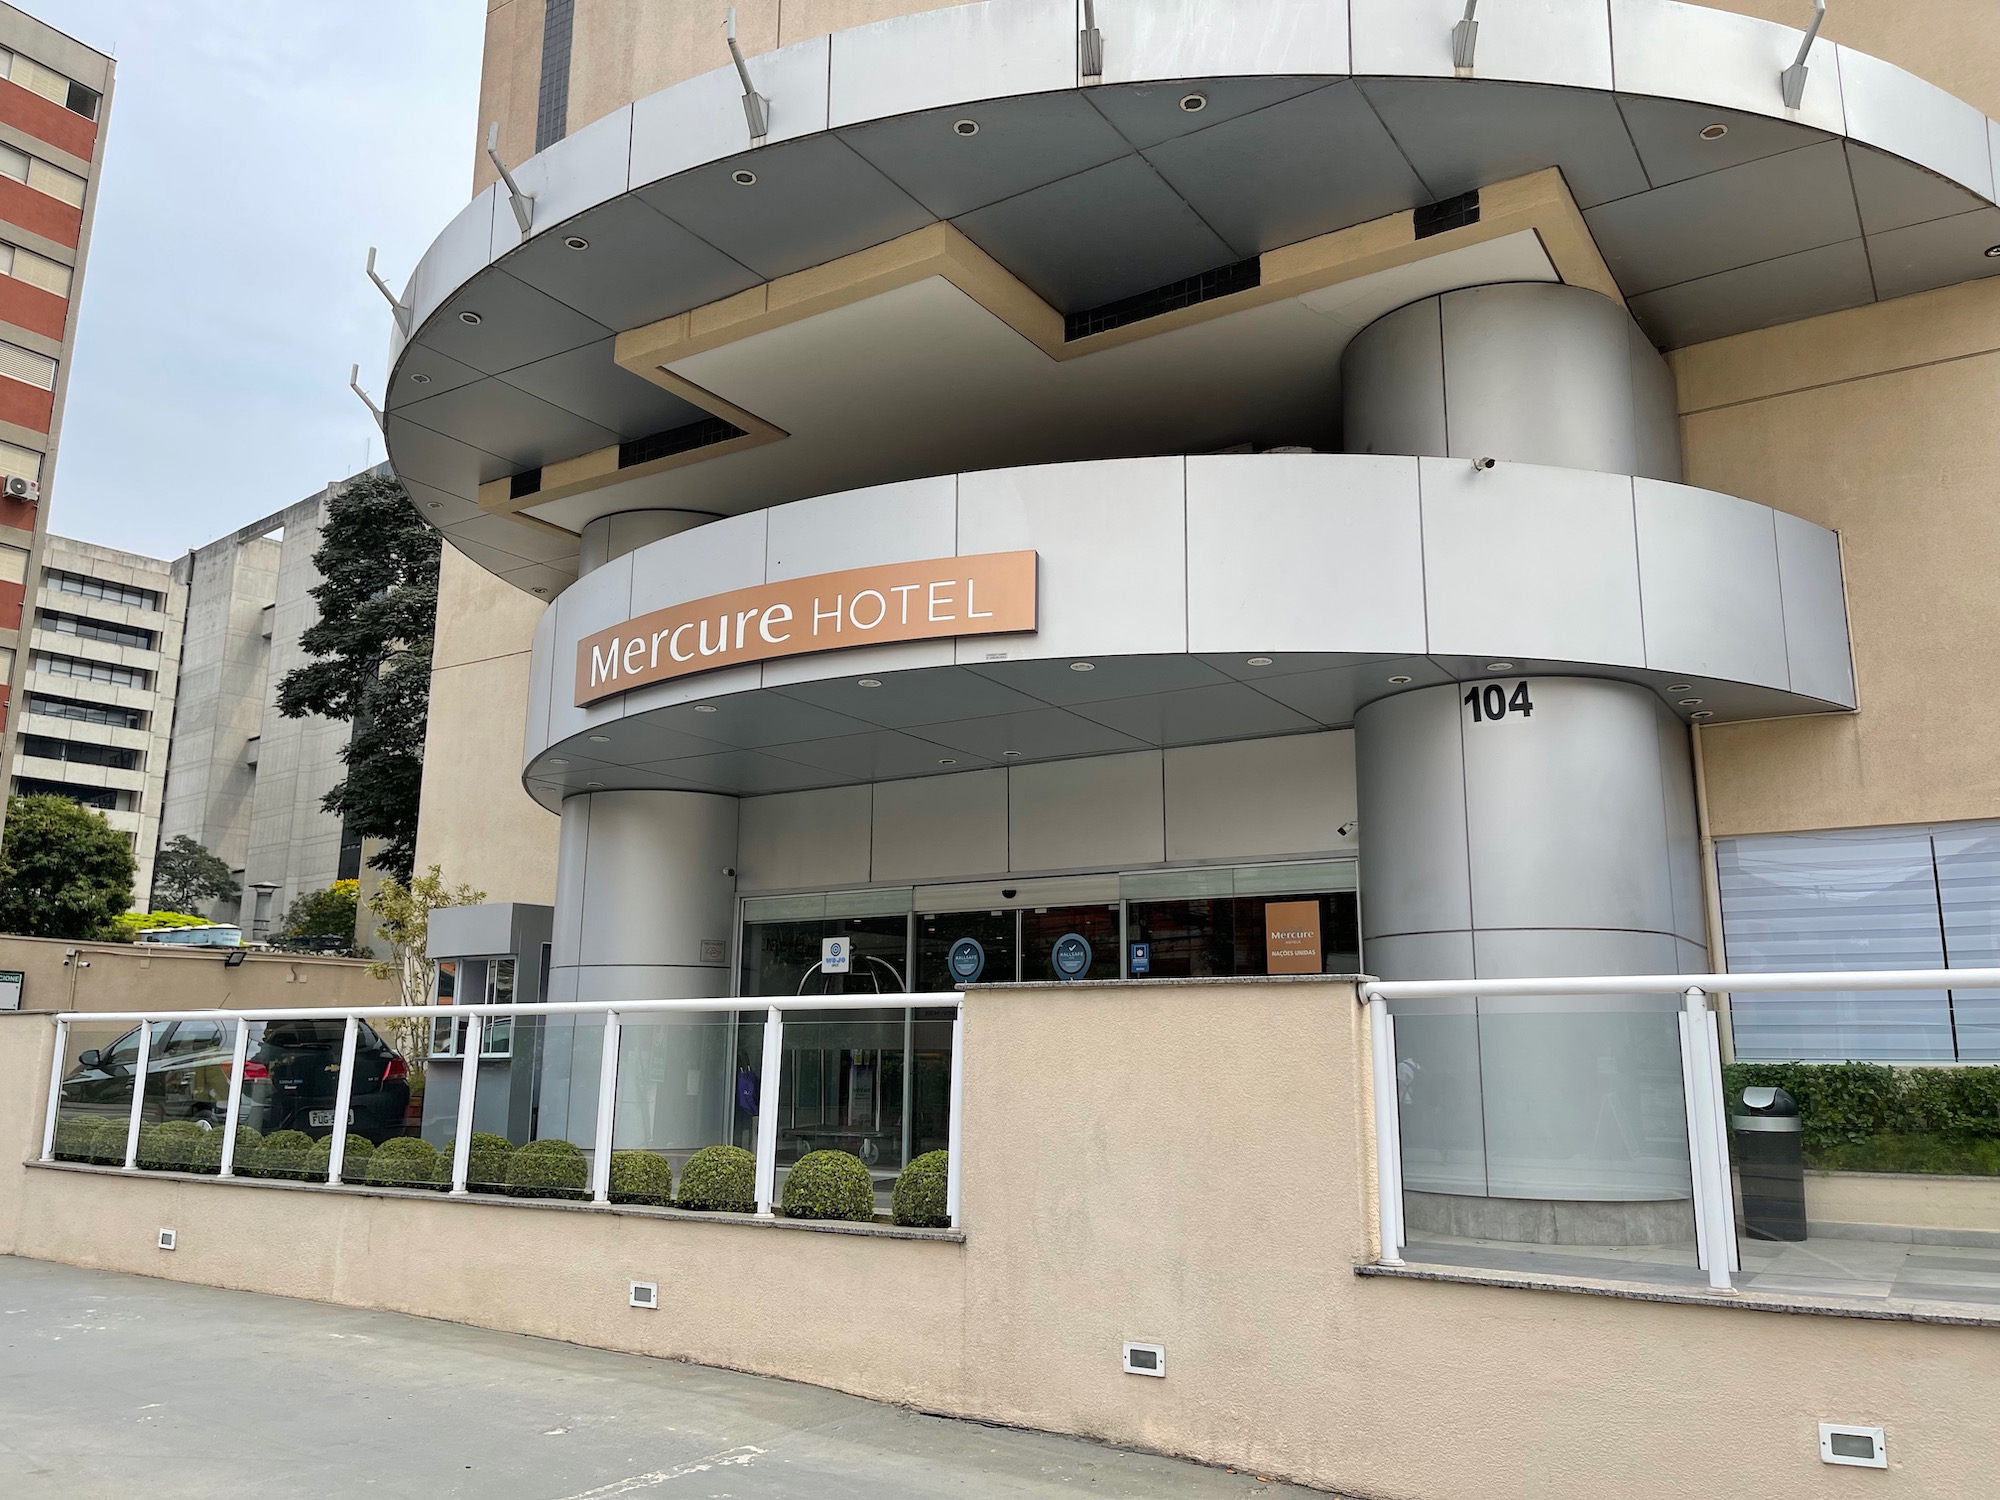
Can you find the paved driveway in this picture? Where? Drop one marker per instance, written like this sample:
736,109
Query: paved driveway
124,1386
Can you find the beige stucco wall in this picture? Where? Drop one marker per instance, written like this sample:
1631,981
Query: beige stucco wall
1187,1164
115,976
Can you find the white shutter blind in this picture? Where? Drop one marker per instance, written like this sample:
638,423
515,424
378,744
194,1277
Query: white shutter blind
25,365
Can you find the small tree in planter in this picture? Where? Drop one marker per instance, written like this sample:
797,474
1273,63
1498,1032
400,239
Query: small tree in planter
643,1177
830,1185
719,1179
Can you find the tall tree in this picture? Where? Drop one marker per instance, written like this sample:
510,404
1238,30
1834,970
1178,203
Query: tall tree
371,649
64,871
187,877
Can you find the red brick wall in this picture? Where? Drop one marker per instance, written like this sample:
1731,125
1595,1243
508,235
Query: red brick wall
46,120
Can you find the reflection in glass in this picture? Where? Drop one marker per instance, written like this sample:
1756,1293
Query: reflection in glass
1043,926
992,962
1223,936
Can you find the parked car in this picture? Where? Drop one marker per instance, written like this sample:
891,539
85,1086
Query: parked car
291,1071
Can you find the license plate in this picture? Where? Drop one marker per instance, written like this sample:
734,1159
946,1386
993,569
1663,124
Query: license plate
325,1117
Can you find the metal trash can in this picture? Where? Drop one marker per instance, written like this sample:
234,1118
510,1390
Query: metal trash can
1771,1165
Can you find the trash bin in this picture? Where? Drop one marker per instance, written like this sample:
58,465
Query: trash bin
1771,1165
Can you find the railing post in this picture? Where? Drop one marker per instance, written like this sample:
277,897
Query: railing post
55,1091
139,1066
1388,1132
1714,1218
954,1129
343,1100
607,1111
767,1110
234,1112
468,1093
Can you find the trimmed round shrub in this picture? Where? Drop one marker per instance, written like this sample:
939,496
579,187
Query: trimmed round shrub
89,1138
919,1199
353,1161
407,1161
486,1162
719,1179
284,1154
108,1144
641,1177
169,1146
208,1150
829,1185
549,1169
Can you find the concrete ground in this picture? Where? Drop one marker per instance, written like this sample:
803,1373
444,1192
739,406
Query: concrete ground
114,1385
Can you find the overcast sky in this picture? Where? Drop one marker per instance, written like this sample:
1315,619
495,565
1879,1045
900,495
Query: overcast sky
257,149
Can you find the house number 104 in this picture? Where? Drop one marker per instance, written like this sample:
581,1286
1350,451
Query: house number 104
1492,702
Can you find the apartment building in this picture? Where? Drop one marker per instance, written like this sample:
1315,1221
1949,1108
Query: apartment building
55,98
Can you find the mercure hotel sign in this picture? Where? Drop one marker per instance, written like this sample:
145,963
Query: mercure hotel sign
990,594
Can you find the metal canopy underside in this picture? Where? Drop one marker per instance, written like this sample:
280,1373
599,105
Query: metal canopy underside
1091,194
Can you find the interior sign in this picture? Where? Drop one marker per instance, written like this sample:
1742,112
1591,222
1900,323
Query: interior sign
1291,937
992,593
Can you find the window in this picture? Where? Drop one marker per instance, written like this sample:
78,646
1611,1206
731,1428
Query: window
27,366
496,1035
42,176
22,463
58,88
36,270
112,757
1879,898
97,588
13,565
91,671
1220,923
98,630
85,713
103,798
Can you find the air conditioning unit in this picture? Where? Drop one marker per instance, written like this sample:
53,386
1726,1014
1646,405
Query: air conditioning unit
17,488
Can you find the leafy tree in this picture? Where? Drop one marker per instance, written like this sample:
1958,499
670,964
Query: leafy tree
403,921
64,871
327,913
186,876
371,649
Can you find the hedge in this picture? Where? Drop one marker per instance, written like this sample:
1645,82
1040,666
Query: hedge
282,1153
719,1179
641,1177
407,1161
486,1162
919,1199
549,1169
169,1146
208,1150
91,1138
1869,1117
353,1161
829,1185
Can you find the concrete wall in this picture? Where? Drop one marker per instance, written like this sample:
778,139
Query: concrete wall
1189,1165
133,976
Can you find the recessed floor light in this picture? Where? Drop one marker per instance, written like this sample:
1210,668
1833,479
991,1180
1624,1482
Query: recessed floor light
870,682
1260,661
577,242
1714,132
470,317
1702,714
1690,703
704,708
1499,666
600,739
743,177
965,127
1083,666
1194,104
1397,681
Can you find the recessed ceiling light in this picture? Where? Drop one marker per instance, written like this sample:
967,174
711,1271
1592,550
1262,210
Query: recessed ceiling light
965,127
704,708
577,242
1714,132
1499,666
869,682
541,591
1010,755
434,505
1260,661
743,177
1083,666
947,761
1690,703
557,760
593,784
420,379
1398,681
1993,252
1680,687
470,317
600,739
1194,104
1702,713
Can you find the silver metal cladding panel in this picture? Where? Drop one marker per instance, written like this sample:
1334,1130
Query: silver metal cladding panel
572,859
593,603
1822,663
1527,561
1410,792
653,886
711,559
1668,136
1682,820
1170,39
1693,52
1079,814
797,840
625,531
517,325
1656,417
1285,553
541,683
941,827
1536,41
1923,256
1418,955
1258,799
1546,952
461,250
637,266
1899,112
1148,113
1764,295
1565,818
601,982
1112,538
1891,196
1713,607
701,119
585,168
980,51
1392,384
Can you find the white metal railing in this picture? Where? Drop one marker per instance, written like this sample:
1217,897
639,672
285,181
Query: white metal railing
475,1015
1701,1072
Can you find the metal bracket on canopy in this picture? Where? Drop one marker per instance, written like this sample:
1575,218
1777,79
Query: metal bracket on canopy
1090,44
523,203
1465,39
402,313
756,108
1793,79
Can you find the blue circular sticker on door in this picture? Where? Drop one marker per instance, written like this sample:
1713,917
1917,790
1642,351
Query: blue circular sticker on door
1071,955
967,960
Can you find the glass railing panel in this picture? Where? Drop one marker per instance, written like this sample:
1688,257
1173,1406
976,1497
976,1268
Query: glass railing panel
683,1092
94,1105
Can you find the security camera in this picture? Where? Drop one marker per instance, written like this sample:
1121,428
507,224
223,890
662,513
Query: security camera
1007,895
729,872
1479,464
1347,828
